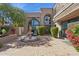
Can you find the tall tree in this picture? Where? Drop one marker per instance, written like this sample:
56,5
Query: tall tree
15,14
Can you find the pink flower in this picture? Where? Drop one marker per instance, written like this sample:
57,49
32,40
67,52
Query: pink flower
77,38
70,36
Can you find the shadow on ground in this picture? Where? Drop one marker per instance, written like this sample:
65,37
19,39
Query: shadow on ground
42,40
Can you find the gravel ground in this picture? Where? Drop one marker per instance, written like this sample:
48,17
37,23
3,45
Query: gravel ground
56,47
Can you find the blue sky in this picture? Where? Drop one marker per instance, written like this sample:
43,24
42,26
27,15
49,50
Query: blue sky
32,7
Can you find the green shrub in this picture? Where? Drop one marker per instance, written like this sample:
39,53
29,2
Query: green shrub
42,30
6,28
4,31
75,30
54,31
77,48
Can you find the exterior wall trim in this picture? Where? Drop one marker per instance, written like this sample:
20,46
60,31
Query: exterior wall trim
63,9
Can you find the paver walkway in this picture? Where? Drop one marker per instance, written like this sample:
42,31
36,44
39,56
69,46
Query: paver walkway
57,48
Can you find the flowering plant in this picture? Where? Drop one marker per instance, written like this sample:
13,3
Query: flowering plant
72,33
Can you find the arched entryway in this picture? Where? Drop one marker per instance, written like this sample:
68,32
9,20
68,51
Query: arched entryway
33,23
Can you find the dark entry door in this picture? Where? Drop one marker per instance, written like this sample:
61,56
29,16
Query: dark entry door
63,28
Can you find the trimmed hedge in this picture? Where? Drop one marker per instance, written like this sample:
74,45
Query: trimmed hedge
54,31
43,30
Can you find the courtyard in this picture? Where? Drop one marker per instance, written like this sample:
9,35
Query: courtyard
25,32
56,47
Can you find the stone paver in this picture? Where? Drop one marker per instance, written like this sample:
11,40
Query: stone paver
57,48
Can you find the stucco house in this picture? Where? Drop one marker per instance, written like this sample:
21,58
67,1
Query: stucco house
42,18
66,15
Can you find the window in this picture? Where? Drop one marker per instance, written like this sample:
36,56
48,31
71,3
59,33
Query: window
34,22
47,20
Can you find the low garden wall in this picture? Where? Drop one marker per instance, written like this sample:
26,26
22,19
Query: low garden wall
7,39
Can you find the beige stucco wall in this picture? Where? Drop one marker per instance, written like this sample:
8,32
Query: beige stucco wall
65,12
68,11
33,14
45,11
59,6
39,15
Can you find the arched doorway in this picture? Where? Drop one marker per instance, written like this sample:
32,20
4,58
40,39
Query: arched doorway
33,23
